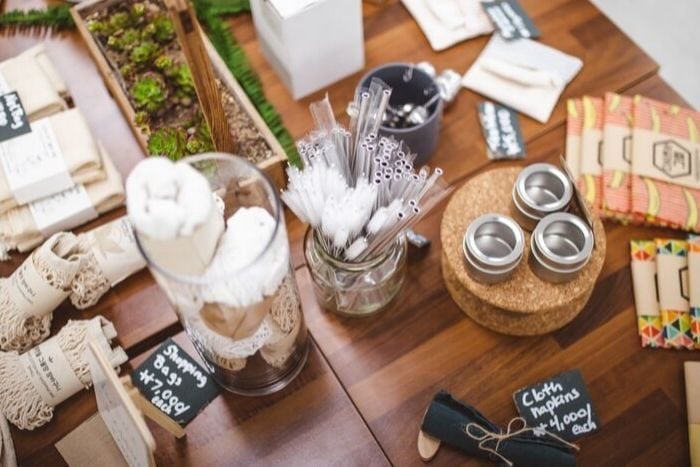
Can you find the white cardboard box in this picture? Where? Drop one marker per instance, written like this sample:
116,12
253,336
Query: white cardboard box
310,43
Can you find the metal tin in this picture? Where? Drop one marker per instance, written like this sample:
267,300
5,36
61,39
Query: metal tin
493,247
560,246
540,189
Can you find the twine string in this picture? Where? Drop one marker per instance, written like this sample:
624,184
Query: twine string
484,436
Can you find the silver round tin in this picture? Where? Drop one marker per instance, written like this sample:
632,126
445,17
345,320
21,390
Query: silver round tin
560,246
539,190
493,247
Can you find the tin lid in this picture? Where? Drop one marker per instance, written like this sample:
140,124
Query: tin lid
494,242
542,189
562,242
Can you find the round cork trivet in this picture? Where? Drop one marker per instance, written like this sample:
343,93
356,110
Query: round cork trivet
524,304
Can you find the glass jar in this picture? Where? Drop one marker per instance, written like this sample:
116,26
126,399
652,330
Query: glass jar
355,289
245,320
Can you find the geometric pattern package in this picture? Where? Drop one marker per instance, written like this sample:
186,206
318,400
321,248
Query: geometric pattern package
694,281
643,264
672,278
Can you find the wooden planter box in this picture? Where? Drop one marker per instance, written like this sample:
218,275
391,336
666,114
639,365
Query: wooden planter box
274,166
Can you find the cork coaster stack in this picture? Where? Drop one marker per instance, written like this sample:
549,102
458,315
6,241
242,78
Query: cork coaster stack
524,305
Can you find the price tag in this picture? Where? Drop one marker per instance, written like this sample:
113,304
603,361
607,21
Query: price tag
559,405
510,19
172,381
13,118
501,130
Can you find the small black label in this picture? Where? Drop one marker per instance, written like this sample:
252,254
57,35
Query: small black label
13,118
501,129
560,405
510,19
172,381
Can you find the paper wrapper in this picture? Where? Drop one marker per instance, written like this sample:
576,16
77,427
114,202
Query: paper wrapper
694,280
665,183
25,227
646,303
574,127
78,149
39,53
617,156
591,178
672,275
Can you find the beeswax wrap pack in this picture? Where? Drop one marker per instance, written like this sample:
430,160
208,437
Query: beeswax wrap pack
617,156
574,126
672,277
646,303
590,181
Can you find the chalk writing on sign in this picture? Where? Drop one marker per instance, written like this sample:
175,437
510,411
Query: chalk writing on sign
560,405
13,118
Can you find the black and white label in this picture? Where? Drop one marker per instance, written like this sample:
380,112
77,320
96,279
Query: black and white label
34,165
62,211
560,405
13,118
501,130
510,19
175,383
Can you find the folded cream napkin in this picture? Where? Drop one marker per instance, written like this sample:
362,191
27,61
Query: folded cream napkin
38,85
448,22
25,227
523,74
38,53
57,154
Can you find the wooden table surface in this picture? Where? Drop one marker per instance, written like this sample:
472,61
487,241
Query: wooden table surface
361,396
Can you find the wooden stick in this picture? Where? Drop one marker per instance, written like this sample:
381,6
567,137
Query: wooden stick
189,34
151,411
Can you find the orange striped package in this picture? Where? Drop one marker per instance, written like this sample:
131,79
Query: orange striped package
617,156
665,172
574,126
591,178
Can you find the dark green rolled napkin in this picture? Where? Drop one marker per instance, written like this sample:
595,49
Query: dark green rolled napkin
447,419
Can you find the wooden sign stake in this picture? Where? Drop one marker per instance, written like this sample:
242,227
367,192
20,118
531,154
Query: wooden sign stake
189,34
151,411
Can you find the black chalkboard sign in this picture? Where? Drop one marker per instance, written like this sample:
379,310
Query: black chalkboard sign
501,130
510,19
559,405
172,381
13,118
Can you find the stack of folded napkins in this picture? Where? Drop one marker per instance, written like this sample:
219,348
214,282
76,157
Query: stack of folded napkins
57,176
666,281
448,22
635,159
523,74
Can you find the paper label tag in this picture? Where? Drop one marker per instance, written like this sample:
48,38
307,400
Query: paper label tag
644,282
666,158
617,147
50,373
4,85
510,19
672,276
13,118
694,272
591,147
62,211
33,164
501,130
31,294
115,250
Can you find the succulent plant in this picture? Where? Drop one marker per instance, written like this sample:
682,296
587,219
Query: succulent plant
182,77
96,26
127,71
170,142
163,28
201,140
163,62
149,93
130,38
143,52
141,119
117,21
138,10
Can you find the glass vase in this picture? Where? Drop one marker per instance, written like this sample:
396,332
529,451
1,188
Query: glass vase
355,289
254,347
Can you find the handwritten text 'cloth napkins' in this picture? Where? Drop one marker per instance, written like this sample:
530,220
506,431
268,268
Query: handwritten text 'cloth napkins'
448,22
523,74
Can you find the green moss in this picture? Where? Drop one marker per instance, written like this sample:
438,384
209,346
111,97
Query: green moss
149,93
144,52
170,142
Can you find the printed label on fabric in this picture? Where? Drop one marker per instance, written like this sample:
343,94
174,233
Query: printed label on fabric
34,165
115,250
666,158
510,19
49,371
31,294
13,118
62,211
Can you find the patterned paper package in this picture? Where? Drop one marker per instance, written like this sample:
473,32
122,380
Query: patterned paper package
672,278
574,126
665,172
617,156
590,181
645,300
694,281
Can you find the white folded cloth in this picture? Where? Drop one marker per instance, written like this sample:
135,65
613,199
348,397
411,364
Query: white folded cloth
523,74
36,81
172,208
448,22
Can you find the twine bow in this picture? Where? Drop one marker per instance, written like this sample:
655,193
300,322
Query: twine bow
484,436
